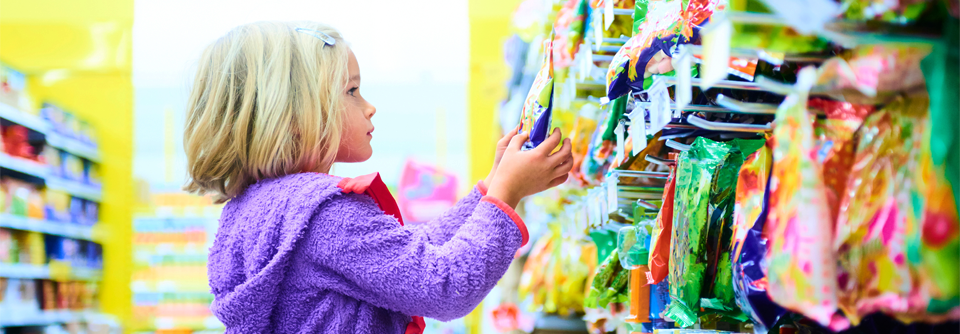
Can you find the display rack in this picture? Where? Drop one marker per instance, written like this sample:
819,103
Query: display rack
46,318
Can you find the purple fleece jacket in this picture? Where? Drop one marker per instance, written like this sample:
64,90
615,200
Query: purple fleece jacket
296,255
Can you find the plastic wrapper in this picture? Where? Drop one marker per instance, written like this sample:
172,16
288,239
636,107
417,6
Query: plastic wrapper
659,300
569,28
802,267
835,144
692,207
718,290
665,24
662,231
537,114
895,11
750,245
603,278
873,73
633,245
583,127
874,274
770,38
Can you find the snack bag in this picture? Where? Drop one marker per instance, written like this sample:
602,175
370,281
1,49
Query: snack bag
664,25
583,127
872,73
569,28
688,250
802,264
870,229
771,38
718,292
537,109
750,245
662,231
894,11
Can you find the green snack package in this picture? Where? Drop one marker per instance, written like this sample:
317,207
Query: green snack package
688,253
719,274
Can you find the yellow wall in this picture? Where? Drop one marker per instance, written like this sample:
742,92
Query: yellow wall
78,55
489,29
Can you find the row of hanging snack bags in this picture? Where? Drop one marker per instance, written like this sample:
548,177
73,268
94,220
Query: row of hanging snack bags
743,163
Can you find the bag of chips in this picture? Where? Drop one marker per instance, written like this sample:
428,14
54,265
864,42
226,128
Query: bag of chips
750,245
802,264
692,207
835,144
717,293
537,109
662,231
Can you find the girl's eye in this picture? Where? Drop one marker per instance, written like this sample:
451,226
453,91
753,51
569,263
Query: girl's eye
352,91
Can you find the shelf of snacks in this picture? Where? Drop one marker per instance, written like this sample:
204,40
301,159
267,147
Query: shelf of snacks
35,255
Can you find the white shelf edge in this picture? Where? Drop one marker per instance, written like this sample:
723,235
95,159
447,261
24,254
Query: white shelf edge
74,188
44,318
25,166
69,230
30,271
29,121
73,146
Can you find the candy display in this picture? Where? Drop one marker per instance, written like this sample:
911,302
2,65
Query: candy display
808,190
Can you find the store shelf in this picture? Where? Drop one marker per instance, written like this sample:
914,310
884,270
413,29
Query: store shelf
74,147
47,227
44,318
74,188
29,271
29,121
24,166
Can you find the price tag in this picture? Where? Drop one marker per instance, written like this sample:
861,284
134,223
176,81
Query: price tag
611,185
684,91
638,130
620,142
659,105
805,16
607,14
716,51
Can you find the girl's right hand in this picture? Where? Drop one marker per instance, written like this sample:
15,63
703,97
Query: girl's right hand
524,173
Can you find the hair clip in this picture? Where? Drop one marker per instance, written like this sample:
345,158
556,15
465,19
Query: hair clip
327,40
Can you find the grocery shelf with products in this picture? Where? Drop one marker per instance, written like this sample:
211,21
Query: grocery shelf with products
742,166
51,260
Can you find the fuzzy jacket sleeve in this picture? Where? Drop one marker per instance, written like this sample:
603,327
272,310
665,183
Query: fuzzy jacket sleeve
399,269
441,229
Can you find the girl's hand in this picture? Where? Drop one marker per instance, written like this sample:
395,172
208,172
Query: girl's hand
501,147
524,173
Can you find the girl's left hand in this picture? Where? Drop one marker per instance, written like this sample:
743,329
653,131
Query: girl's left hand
501,147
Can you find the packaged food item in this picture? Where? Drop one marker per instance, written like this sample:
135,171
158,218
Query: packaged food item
16,142
664,25
873,272
750,245
7,247
569,28
692,207
606,275
537,109
896,11
583,127
771,38
57,206
72,166
659,299
874,73
802,263
718,292
663,230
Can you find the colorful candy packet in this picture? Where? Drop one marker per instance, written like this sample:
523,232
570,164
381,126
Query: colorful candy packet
717,294
900,12
874,73
802,263
692,207
664,25
874,274
750,245
569,27
663,230
537,109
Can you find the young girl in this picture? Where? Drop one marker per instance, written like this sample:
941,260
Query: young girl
273,106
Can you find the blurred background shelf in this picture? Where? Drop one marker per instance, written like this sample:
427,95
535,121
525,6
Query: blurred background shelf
68,230
74,147
24,166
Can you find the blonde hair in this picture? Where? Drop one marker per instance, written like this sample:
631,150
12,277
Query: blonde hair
266,102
